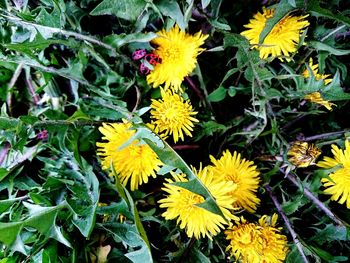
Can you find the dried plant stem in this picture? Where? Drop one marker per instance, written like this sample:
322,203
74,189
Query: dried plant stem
31,88
138,99
185,147
314,199
325,135
12,84
332,32
4,151
287,223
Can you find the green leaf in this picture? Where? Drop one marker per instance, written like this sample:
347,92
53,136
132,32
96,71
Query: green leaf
217,95
292,3
315,9
125,9
236,40
205,3
41,218
219,25
118,41
6,204
8,123
9,232
172,9
324,47
196,255
334,91
232,91
330,232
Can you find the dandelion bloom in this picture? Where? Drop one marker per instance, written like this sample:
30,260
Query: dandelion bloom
257,243
274,244
132,161
172,115
178,52
245,241
182,204
314,69
282,40
243,173
303,154
338,183
317,98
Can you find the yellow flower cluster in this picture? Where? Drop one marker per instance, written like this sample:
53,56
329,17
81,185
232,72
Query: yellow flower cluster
178,51
232,181
257,243
281,42
134,161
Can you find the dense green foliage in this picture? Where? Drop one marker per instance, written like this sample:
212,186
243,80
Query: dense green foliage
66,67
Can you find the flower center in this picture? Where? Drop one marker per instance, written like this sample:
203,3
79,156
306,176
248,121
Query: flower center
246,238
194,199
171,53
171,113
233,177
135,151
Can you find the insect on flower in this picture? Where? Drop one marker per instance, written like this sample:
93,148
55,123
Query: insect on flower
153,59
303,154
138,54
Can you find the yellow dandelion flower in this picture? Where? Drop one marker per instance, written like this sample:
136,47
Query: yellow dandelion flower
317,98
303,154
134,162
172,115
178,51
282,40
338,183
243,173
257,243
245,241
314,69
182,204
274,244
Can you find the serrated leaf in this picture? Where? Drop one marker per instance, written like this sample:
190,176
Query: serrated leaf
118,41
125,9
41,218
235,40
330,232
220,25
324,47
6,204
205,3
9,232
315,9
172,9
